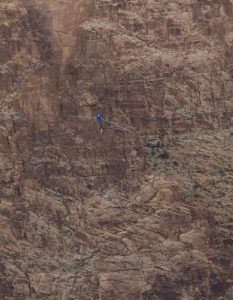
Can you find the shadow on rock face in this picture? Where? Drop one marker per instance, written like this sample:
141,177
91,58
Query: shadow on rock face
39,23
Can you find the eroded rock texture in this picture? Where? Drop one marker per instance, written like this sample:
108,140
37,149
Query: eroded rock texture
86,216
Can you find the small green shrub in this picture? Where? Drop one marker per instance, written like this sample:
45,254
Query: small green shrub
162,134
175,163
221,172
195,186
78,266
17,264
164,155
34,225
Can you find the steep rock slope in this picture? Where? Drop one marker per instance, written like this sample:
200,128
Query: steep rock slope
90,216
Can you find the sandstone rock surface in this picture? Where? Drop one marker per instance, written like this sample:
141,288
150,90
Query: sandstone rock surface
86,216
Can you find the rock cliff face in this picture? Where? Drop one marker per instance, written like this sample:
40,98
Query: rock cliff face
86,216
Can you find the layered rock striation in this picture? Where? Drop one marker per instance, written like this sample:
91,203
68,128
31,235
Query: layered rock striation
90,216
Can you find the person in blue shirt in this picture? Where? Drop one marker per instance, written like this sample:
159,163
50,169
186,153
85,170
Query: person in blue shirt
99,119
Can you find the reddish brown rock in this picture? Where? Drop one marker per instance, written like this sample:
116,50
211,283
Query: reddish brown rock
89,216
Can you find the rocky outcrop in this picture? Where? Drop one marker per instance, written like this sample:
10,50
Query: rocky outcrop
90,216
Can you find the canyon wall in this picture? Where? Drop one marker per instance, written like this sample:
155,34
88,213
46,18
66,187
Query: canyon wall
90,216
